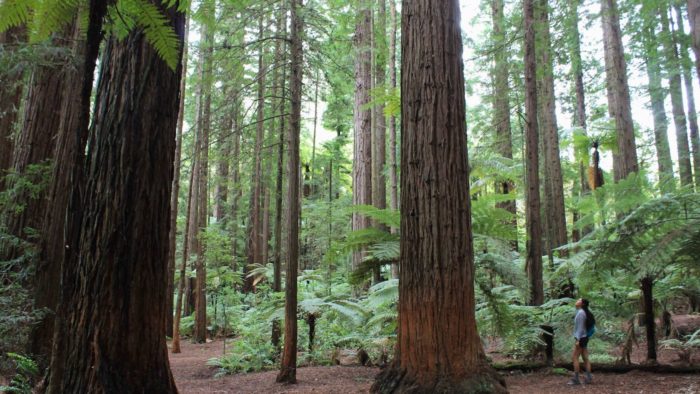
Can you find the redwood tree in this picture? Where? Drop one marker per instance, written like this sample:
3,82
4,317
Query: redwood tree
438,347
115,273
288,368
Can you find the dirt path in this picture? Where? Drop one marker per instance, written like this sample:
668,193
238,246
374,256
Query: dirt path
192,375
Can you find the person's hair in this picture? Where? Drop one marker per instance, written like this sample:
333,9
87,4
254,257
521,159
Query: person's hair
590,319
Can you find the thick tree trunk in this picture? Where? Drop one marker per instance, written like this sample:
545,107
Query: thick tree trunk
619,107
174,195
42,130
362,119
657,96
554,184
501,103
254,240
438,347
10,97
56,274
676,91
288,367
688,81
533,262
121,244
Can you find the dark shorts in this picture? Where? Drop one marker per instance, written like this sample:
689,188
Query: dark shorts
583,343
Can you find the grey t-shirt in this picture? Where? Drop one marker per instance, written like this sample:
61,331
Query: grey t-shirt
580,324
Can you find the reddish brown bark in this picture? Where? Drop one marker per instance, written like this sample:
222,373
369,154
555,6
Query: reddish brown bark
10,96
438,347
119,249
393,165
289,355
533,259
362,120
619,107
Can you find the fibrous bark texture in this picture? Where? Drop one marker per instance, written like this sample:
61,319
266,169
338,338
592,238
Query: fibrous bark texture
10,96
619,107
438,347
533,262
113,306
362,116
288,368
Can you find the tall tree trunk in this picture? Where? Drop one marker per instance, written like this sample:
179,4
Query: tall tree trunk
281,80
223,165
580,109
236,184
554,184
688,81
313,140
56,275
438,347
657,96
676,91
288,367
254,239
533,262
501,103
379,122
42,130
181,291
393,165
121,264
10,97
362,119
619,107
174,196
200,303
694,20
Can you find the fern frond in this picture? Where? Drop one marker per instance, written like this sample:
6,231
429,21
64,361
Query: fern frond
15,13
52,16
156,27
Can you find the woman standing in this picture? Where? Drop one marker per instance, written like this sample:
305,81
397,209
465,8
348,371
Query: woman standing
584,327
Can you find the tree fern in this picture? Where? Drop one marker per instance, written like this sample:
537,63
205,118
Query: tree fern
15,13
156,28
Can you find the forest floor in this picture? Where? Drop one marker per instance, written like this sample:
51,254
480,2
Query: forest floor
192,375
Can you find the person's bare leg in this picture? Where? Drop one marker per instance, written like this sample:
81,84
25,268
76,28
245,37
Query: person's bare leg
577,367
587,364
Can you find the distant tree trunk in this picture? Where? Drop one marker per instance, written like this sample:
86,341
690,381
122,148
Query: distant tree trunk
438,348
266,213
580,110
533,261
379,122
657,96
676,91
121,265
181,292
619,107
281,79
694,20
288,367
174,200
223,165
688,81
554,184
647,285
236,185
393,165
200,303
10,97
313,141
362,118
254,239
501,103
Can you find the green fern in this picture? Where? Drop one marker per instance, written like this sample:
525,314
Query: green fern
15,13
156,27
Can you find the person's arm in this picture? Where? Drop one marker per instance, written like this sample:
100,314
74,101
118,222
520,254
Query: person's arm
580,325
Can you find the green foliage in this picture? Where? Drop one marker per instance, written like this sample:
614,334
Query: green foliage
26,371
